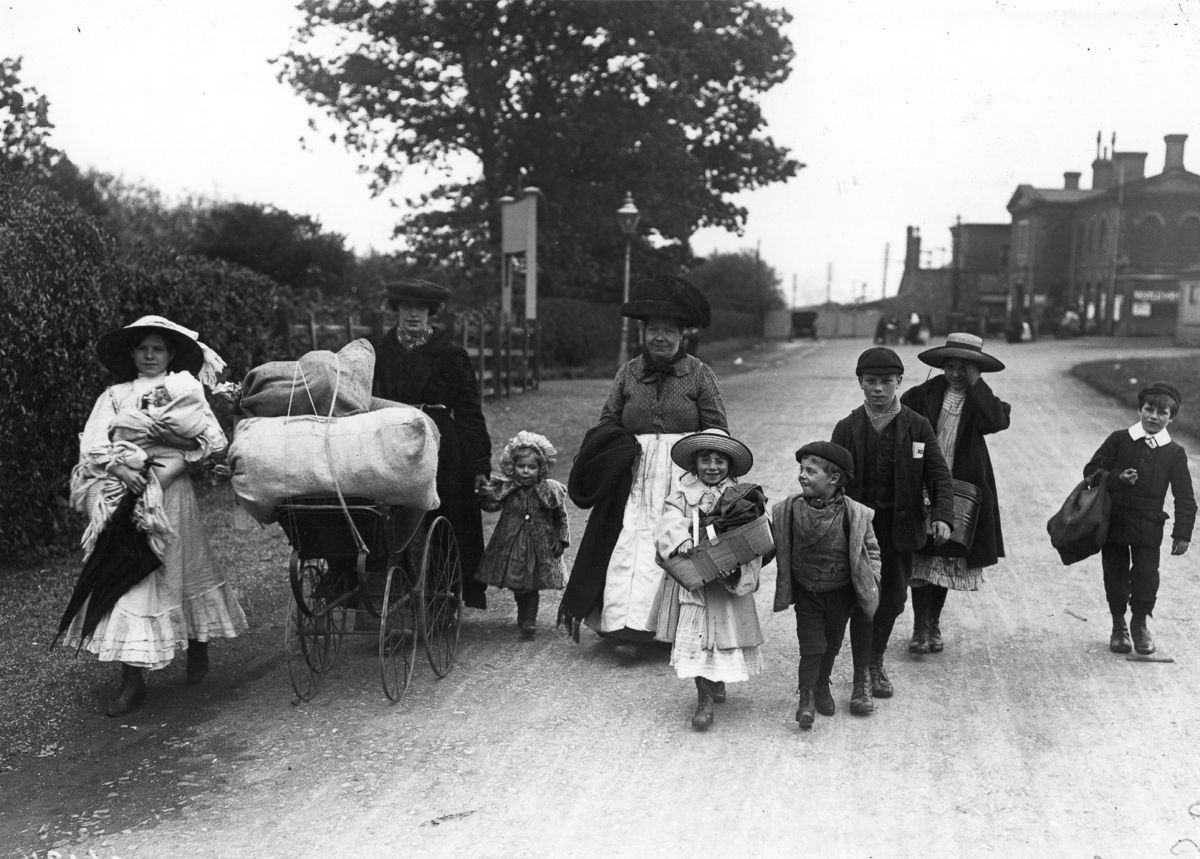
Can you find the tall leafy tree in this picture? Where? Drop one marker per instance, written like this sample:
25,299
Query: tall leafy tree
739,281
25,147
293,250
583,100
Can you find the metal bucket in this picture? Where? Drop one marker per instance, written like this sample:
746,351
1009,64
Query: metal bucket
967,501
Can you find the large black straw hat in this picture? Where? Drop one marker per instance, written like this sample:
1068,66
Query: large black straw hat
669,297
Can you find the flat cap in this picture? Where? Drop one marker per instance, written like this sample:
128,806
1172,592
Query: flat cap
830,452
879,359
416,290
1165,388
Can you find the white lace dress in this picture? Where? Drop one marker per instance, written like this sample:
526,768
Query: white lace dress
188,596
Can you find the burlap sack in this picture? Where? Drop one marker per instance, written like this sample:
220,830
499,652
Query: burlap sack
389,456
306,386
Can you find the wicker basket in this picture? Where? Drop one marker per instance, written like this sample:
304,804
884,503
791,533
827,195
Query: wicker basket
727,551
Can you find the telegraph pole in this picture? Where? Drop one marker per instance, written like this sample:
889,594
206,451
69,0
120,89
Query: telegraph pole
887,247
829,283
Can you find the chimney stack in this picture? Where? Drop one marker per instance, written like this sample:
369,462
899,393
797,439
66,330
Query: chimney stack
912,250
1071,180
1130,166
1103,177
1174,158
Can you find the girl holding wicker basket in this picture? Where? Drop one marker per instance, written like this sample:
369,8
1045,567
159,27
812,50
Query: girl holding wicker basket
718,636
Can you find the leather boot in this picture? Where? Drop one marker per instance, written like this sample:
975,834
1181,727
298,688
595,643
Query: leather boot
718,691
823,698
197,661
881,686
1119,641
527,609
860,700
132,693
702,719
804,710
919,643
1142,642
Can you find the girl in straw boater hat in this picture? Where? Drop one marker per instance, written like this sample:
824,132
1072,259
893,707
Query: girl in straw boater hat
963,409
718,636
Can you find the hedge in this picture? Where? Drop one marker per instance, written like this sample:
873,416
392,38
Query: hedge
62,285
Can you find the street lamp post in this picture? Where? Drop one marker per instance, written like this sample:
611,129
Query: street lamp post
627,217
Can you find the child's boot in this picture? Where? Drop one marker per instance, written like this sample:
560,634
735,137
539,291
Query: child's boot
804,710
132,693
527,609
718,691
860,699
1142,642
881,686
702,719
822,695
919,643
1119,641
936,603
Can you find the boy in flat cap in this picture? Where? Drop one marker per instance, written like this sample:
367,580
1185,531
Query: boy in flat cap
1142,462
827,569
896,463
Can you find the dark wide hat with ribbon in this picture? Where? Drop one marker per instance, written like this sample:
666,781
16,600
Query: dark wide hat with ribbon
829,452
669,297
683,452
114,348
966,347
1165,389
413,289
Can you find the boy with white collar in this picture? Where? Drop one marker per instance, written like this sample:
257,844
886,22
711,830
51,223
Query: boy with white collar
1142,462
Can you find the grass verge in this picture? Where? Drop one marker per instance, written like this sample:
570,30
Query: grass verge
1122,379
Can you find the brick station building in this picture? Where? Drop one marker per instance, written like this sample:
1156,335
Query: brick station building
1118,254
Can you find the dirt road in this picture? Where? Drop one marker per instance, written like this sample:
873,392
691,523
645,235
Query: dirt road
1025,737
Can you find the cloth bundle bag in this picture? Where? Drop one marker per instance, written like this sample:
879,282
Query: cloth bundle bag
319,383
1080,526
389,455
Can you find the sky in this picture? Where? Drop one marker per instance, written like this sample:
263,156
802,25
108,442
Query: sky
904,113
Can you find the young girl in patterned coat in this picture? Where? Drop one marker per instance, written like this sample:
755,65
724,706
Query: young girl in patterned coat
718,636
525,551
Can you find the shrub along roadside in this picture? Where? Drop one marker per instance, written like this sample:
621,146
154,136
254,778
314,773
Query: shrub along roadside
62,285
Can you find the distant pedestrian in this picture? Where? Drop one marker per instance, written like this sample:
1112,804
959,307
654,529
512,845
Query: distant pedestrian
1142,462
717,635
525,551
827,569
963,409
896,460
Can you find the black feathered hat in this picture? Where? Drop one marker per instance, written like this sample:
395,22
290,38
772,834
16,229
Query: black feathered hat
669,297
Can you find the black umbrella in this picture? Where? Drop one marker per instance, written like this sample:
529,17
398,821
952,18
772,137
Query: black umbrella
121,558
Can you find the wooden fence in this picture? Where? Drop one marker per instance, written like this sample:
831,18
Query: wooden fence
506,357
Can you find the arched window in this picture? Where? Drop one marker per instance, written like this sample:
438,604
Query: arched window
1147,241
1091,236
1188,242
1079,237
1103,234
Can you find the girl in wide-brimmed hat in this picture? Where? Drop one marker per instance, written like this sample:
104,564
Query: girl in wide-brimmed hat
718,636
157,410
963,409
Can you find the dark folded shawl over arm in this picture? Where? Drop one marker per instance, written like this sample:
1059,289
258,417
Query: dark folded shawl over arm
600,480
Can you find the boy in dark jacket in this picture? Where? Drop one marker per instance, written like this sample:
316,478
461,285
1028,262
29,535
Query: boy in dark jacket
1142,462
896,461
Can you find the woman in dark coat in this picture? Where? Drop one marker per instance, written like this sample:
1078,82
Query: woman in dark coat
962,409
419,365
